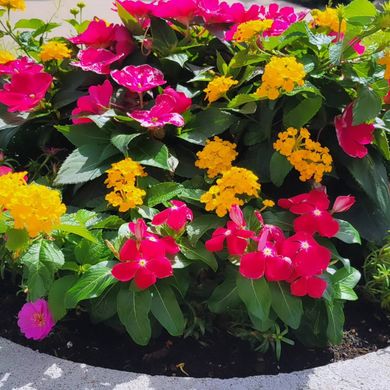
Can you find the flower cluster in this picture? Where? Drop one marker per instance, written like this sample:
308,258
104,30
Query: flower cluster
9,184
54,50
307,156
122,178
281,74
385,60
225,193
6,56
217,156
248,30
330,19
218,87
17,5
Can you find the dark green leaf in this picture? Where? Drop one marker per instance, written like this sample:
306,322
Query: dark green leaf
336,320
300,114
56,297
122,141
164,38
84,134
225,295
162,192
347,233
198,253
279,168
200,226
366,106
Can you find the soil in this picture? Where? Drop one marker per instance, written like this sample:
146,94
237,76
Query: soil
218,355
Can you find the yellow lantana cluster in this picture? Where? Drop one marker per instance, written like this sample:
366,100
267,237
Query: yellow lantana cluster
225,193
122,178
281,74
248,30
9,185
218,87
385,60
329,18
217,156
18,5
308,157
54,51
6,56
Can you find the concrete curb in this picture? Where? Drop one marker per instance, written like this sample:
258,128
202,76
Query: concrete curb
24,369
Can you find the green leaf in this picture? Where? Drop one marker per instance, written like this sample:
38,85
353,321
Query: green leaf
166,310
164,38
133,311
84,134
334,330
244,58
300,114
56,297
241,99
91,285
206,124
200,226
382,143
256,296
198,253
29,23
87,252
162,192
85,163
77,230
279,168
367,105
128,20
122,141
336,53
179,58
17,239
288,308
359,8
347,233
225,296
105,306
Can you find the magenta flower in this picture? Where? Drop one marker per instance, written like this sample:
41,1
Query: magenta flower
212,11
353,138
139,10
95,103
35,320
159,115
175,217
20,65
182,10
25,91
96,60
181,102
4,170
138,79
343,203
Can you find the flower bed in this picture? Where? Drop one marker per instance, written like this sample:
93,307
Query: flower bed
185,173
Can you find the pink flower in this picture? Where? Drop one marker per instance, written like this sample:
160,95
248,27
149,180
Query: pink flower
181,102
20,65
35,320
212,11
182,10
4,170
123,42
175,217
353,138
343,203
159,115
96,60
312,286
139,10
95,103
139,78
25,90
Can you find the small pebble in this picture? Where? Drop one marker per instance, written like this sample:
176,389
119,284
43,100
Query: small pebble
69,344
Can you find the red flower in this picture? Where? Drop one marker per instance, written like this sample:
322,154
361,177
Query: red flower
278,268
308,257
312,286
343,203
20,65
25,90
96,60
175,217
252,265
353,138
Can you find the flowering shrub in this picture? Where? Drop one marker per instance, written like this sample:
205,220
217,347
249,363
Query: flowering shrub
199,147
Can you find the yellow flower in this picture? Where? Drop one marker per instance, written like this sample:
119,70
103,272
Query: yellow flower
385,60
329,18
281,74
13,4
268,203
54,51
36,208
308,157
225,193
9,184
6,56
217,156
122,177
248,30
218,87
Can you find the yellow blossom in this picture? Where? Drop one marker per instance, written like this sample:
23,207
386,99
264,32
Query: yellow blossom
385,60
281,74
6,56
122,177
9,184
225,193
268,203
329,18
18,5
308,157
217,156
54,51
36,208
218,87
248,30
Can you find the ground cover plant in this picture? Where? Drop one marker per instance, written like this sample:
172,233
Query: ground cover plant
201,165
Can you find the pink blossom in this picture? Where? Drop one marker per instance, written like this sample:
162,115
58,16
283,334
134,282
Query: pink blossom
4,170
139,78
25,90
353,138
20,65
175,217
181,10
212,11
343,203
139,10
95,103
35,320
96,60
181,102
